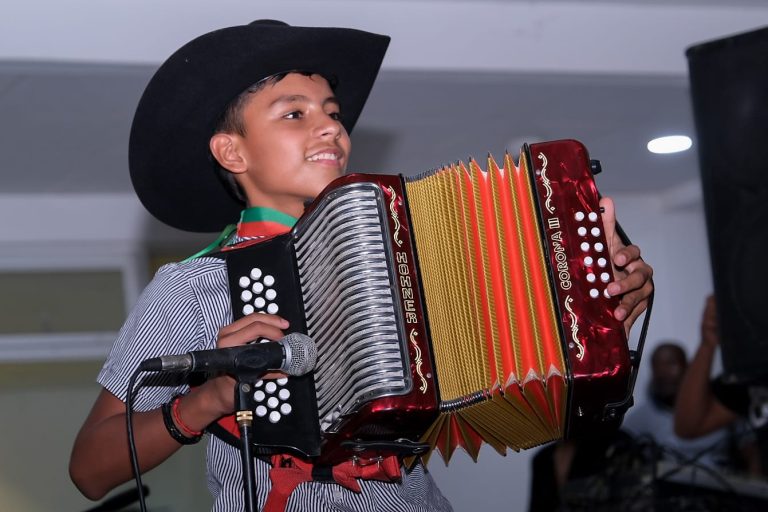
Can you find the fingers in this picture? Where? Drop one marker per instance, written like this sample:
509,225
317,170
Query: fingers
633,284
251,328
630,275
619,253
710,308
633,303
623,257
710,330
609,218
273,320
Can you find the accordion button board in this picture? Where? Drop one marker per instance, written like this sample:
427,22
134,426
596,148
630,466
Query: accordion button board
261,281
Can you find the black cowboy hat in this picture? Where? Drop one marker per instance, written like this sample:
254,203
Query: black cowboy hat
171,167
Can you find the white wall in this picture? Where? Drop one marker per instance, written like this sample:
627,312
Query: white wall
43,406
527,35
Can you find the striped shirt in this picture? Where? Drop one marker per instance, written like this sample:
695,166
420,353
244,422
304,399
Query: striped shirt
182,310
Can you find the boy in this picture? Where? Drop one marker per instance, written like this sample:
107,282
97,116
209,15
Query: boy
277,145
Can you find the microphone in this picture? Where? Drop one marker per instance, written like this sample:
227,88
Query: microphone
295,355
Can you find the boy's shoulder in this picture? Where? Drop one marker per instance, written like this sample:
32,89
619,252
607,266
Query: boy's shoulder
206,269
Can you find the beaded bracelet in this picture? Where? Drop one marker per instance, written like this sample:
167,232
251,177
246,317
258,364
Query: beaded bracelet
173,423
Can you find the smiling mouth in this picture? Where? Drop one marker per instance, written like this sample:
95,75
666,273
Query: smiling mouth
323,156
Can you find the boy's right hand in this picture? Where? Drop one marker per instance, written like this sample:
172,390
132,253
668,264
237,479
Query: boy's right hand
251,328
96,471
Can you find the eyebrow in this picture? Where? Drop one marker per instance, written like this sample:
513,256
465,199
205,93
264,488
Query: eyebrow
295,98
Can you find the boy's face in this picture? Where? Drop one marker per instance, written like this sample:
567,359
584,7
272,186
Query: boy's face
294,143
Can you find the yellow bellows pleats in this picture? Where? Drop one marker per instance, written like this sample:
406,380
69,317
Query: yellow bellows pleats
497,351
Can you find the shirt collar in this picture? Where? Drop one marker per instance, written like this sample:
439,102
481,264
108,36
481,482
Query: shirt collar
260,221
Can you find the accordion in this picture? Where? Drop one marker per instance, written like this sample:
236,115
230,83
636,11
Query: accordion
460,307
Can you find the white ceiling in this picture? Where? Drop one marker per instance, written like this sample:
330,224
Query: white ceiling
66,103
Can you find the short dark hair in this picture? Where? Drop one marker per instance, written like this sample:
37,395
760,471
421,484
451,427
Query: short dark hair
231,120
673,347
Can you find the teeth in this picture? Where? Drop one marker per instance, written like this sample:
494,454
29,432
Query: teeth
322,156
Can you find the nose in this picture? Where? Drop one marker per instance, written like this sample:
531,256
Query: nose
328,127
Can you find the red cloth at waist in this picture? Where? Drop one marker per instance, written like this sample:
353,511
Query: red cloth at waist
288,472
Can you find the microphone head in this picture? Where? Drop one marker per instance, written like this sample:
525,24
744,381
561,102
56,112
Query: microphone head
300,354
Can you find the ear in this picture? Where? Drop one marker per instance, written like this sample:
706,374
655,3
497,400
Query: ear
225,148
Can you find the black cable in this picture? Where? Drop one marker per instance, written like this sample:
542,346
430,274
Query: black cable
636,354
132,442
683,462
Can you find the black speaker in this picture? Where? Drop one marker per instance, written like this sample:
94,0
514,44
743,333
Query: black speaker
729,90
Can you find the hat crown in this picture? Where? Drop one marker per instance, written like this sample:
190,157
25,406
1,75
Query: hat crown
274,23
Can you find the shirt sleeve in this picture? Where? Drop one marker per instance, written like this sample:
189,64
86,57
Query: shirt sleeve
166,320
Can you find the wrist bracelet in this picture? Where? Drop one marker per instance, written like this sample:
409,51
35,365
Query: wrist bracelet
179,422
170,425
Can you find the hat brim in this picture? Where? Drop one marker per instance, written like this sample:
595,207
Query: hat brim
169,159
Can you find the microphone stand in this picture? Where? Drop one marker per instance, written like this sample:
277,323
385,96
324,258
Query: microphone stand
244,418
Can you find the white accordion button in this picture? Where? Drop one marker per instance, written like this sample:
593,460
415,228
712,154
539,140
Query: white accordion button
256,273
584,246
606,294
591,277
286,409
246,296
273,402
282,381
284,394
595,231
270,294
588,261
592,216
244,282
269,280
579,216
259,302
272,308
274,416
261,411
604,277
258,383
270,387
599,247
257,287
248,309
581,231
602,262
594,293
259,396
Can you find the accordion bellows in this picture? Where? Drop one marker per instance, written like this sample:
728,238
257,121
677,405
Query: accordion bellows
491,314
460,307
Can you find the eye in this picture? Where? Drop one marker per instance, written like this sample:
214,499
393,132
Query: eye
336,116
296,114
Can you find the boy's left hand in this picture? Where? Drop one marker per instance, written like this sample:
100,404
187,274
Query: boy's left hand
632,275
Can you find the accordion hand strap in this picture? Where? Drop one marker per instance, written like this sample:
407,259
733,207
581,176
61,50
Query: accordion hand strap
288,472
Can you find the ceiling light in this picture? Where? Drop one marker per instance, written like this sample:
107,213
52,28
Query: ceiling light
670,144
